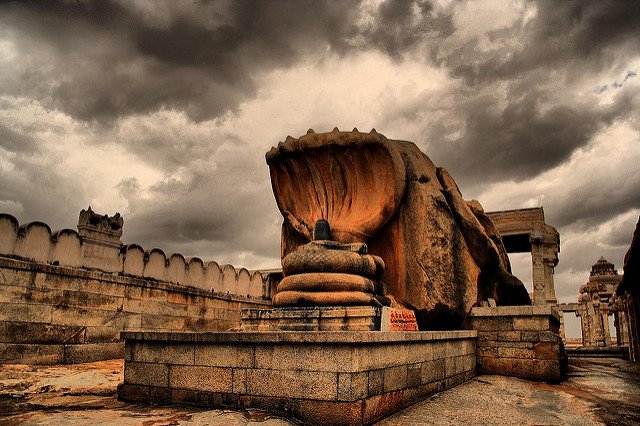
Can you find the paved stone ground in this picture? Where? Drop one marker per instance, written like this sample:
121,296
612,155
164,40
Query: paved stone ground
597,391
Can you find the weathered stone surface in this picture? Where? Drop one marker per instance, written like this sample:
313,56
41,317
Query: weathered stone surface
90,352
441,254
31,353
629,294
145,373
49,312
525,230
212,379
329,273
530,349
319,378
317,318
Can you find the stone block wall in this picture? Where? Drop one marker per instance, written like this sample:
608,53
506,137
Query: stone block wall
519,341
59,314
319,378
35,241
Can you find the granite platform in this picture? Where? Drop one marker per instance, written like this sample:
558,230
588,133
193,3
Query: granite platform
319,377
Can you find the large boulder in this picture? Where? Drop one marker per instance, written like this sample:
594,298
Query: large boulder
442,254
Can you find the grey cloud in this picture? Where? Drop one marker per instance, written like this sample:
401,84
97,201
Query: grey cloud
520,140
222,222
33,183
401,25
100,60
511,113
16,142
577,34
223,210
622,234
518,110
591,206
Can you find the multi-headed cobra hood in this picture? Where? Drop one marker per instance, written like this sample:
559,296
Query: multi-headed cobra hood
442,254
353,180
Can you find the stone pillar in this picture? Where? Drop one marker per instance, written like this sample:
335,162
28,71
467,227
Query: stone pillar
622,328
538,274
561,330
550,292
606,332
597,330
585,326
550,260
632,309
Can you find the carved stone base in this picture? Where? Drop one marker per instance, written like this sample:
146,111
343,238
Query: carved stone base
322,378
329,318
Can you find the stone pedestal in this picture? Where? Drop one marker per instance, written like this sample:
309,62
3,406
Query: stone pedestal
346,378
329,318
519,341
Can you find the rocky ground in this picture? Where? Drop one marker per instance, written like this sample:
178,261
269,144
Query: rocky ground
597,391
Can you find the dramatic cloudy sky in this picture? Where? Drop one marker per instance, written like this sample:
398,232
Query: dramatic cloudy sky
163,111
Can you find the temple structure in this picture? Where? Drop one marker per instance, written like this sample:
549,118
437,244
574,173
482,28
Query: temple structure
65,296
596,302
525,231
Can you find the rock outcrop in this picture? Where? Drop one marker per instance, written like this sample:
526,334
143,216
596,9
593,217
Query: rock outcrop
442,255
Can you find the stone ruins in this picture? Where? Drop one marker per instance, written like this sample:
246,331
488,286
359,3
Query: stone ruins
596,303
66,296
441,254
375,241
609,294
628,294
392,288
525,231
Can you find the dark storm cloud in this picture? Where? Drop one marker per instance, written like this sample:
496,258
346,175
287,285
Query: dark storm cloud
562,35
399,25
220,211
515,106
31,184
521,109
522,139
621,235
104,60
590,206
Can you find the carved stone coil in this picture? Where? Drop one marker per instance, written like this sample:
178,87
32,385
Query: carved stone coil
327,281
325,298
329,273
316,258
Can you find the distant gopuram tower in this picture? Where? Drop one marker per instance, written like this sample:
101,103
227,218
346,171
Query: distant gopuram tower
595,298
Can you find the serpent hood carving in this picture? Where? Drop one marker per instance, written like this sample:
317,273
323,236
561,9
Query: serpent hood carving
442,254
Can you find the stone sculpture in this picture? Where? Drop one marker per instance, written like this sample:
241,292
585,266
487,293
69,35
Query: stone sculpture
439,254
328,273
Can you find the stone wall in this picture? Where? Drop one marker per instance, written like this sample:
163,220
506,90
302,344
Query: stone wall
519,341
317,377
628,294
58,314
65,296
36,242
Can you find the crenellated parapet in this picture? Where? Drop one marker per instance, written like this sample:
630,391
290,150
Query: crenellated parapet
97,245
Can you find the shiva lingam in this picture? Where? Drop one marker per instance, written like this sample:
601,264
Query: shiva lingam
329,273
